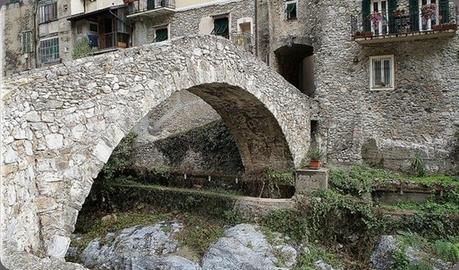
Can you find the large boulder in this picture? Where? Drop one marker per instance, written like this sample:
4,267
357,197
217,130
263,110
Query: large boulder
139,247
383,255
245,247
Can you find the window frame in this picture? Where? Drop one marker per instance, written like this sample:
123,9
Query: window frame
54,60
44,17
288,2
30,38
383,29
392,70
159,27
222,16
429,24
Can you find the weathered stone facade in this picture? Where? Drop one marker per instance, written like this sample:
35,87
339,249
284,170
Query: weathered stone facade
62,123
357,124
20,17
189,111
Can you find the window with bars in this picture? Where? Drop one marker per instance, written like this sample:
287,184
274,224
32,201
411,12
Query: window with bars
49,50
26,41
161,34
382,72
291,9
47,13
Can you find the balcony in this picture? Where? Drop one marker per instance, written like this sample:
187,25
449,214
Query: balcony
150,8
401,26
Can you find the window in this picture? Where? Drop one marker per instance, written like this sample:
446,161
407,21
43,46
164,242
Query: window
379,17
26,41
93,27
121,21
161,34
47,13
428,14
49,50
382,72
221,27
291,9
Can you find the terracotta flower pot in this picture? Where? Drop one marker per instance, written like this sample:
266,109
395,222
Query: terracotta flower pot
314,164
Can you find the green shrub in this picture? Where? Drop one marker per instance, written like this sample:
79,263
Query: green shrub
418,166
288,222
81,48
447,251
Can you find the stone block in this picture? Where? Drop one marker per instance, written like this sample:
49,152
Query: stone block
309,180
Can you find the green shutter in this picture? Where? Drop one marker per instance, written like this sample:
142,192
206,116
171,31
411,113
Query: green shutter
221,27
366,7
150,4
444,11
414,15
392,8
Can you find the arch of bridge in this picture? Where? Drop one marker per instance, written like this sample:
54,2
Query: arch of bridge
62,122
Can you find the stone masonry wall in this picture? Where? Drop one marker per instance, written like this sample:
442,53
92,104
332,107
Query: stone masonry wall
189,111
418,116
61,124
18,18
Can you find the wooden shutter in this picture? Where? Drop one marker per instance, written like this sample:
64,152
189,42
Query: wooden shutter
391,10
414,15
444,11
366,7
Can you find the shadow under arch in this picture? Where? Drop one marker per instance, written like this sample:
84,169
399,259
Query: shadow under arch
258,135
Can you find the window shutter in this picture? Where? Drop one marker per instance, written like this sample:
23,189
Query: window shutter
150,4
444,11
366,7
221,27
414,15
391,10
161,35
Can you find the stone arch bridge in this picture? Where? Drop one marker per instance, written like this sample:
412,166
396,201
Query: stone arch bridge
62,122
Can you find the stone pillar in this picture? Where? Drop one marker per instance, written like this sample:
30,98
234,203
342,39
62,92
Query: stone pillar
308,180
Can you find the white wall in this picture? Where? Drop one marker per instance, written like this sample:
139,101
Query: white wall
76,7
101,4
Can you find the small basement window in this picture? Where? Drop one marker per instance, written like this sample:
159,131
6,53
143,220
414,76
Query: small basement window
382,72
291,9
161,34
221,27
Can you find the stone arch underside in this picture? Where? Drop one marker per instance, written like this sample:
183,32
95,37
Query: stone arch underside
63,122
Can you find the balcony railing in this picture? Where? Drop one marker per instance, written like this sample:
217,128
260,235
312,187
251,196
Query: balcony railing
150,8
403,26
244,40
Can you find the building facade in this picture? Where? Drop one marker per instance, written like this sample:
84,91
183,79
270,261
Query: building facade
384,73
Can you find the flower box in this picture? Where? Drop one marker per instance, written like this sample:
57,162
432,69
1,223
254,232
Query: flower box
363,35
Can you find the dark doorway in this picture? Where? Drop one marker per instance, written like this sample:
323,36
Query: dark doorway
296,65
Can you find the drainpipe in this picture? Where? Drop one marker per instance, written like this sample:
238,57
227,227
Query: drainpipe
256,28
35,33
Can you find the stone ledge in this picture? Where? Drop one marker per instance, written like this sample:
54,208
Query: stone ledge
308,180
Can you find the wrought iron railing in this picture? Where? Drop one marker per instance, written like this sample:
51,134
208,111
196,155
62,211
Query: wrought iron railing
401,23
145,5
244,40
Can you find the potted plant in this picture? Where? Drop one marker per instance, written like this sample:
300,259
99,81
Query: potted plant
428,11
375,18
315,155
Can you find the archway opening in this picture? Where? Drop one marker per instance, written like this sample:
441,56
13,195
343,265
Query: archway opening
239,146
296,64
117,198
